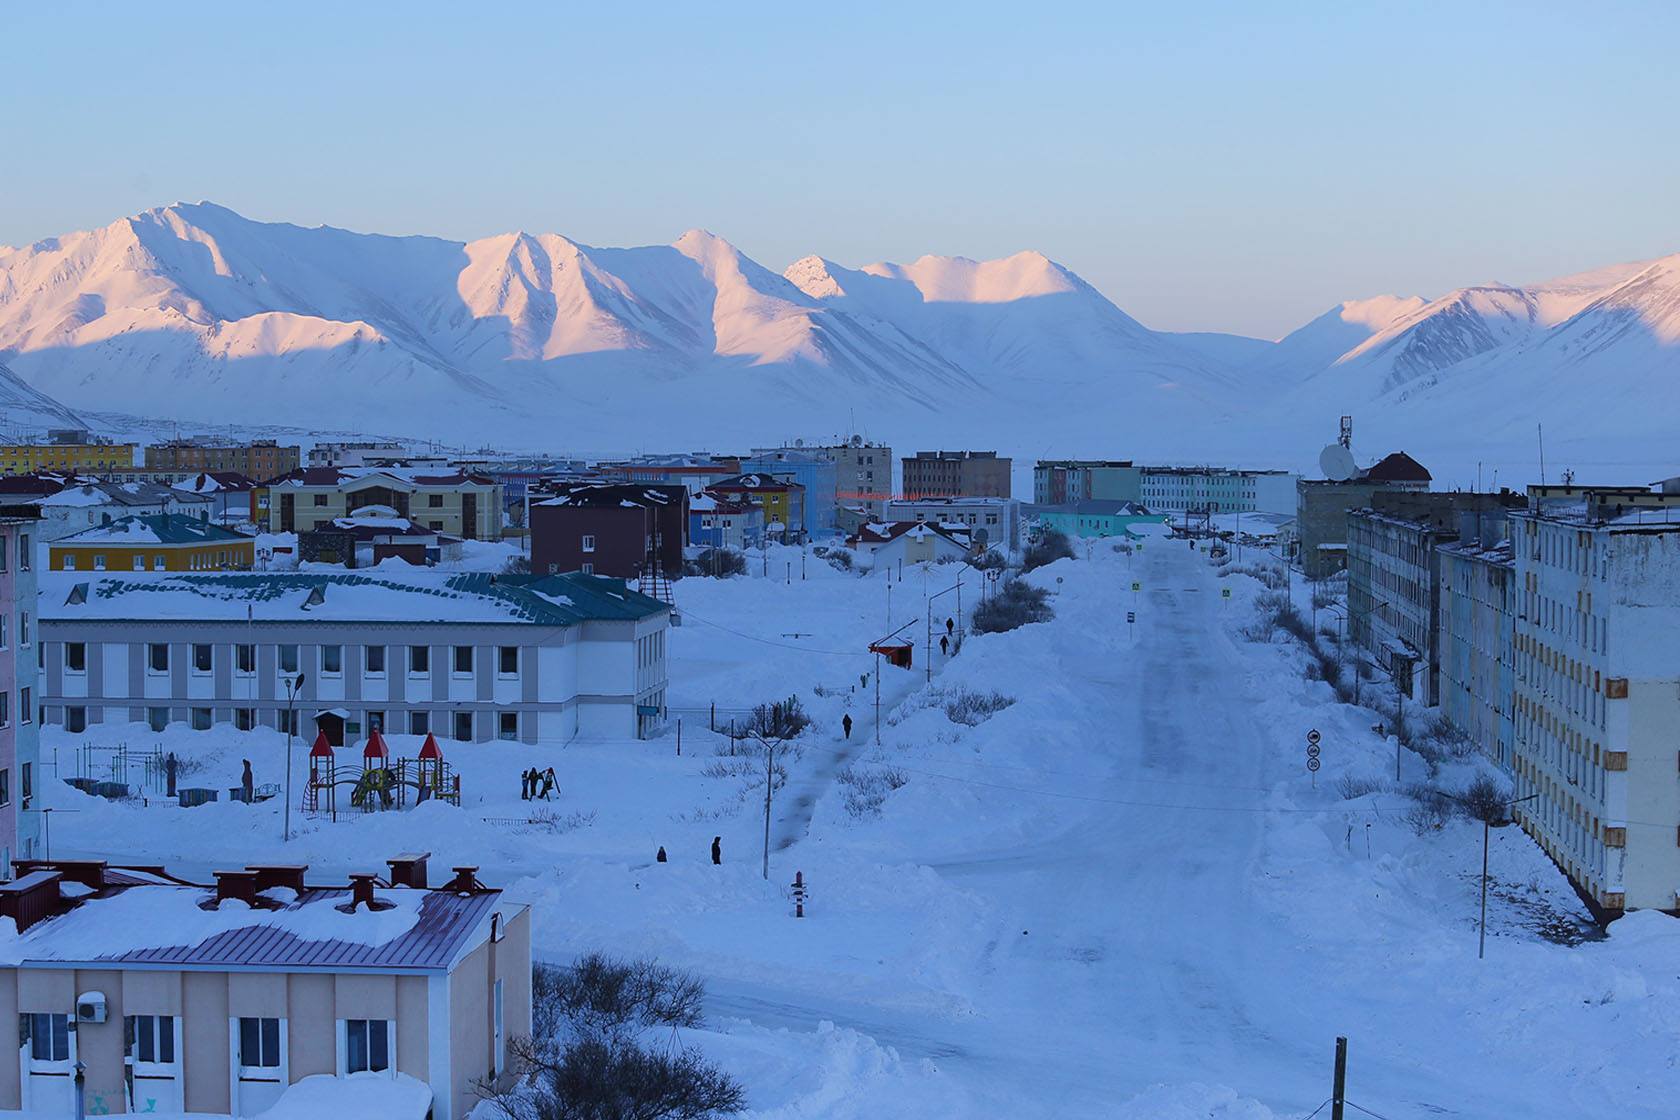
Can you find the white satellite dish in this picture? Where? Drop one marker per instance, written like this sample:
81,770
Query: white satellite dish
1337,463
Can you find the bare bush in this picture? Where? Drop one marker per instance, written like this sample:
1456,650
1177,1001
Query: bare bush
778,721
989,560
717,562
974,708
1352,788
867,788
516,566
1484,800
1016,604
1050,545
1431,809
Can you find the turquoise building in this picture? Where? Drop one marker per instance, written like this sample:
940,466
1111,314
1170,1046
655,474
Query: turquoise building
1097,518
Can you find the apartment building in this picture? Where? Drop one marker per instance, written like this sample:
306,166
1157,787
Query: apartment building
260,459
1322,505
611,529
84,456
862,471
817,478
159,542
1216,490
781,499
1067,482
990,522
1597,682
479,657
170,997
955,474
20,744
1476,642
447,501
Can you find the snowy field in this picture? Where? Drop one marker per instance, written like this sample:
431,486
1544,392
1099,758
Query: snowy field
1118,894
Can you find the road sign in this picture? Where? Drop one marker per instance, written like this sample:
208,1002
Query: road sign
1224,592
1312,764
1313,736
1136,586
1131,617
1312,751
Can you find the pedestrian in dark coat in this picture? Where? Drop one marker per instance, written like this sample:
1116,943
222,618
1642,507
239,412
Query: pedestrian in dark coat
246,783
717,850
846,724
950,625
549,785
660,858
525,785
945,647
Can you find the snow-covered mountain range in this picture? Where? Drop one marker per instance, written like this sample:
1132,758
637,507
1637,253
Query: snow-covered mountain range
195,313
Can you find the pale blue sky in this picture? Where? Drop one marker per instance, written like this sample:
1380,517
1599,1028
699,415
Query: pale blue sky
1207,166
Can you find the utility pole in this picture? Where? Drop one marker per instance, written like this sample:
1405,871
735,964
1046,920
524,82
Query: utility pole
877,699
769,769
1338,1090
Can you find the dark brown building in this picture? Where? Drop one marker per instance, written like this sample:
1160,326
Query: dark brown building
263,458
611,529
955,474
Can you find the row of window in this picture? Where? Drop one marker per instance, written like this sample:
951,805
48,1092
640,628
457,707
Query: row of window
197,562
152,1040
23,552
26,775
330,658
245,719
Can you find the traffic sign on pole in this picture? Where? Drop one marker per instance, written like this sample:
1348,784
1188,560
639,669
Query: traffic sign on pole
1313,736
1131,617
1312,764
1136,586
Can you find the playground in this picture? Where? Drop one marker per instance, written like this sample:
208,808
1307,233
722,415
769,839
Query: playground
380,782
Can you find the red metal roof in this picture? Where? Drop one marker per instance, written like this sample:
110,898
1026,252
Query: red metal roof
429,749
322,748
376,747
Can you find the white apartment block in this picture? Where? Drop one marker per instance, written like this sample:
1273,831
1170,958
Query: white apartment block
991,522
1596,728
1217,490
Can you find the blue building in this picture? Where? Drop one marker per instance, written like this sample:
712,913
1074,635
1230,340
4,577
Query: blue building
816,474
1096,518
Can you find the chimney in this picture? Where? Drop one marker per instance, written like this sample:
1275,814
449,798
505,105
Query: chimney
465,882
239,885
409,870
288,875
30,898
88,872
361,891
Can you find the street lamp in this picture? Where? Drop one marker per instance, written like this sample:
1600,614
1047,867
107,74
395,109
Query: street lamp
1481,939
294,685
957,587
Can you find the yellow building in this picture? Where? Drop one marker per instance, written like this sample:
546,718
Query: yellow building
164,542
26,458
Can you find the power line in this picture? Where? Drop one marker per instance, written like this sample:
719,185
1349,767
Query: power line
1366,1111
1316,1111
687,614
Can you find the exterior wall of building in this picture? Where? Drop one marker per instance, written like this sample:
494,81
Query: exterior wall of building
260,460
992,522
618,538
1476,643
219,556
863,474
955,474
26,458
1073,523
1216,490
1393,591
1321,522
1597,686
577,680
440,508
19,730
735,529
818,478
471,996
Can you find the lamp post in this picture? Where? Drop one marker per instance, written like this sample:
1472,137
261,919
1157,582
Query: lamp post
294,685
954,587
1481,937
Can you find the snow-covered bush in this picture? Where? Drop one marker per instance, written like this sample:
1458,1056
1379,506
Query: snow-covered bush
974,708
989,560
717,562
1351,788
867,788
1016,604
1050,545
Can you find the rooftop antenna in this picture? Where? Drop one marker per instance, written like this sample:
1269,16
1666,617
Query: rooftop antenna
1346,438
1540,433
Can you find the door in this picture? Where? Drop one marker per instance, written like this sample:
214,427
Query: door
46,1058
259,1064
288,510
469,516
154,1063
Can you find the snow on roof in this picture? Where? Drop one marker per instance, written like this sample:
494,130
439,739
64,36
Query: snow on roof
155,529
215,482
407,597
170,925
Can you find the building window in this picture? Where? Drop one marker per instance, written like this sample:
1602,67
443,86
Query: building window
203,657
152,1038
26,708
367,1045
320,499
463,726
507,661
157,564
507,725
332,661
376,721
245,658
589,542
588,569
23,552
435,500
75,657
418,723
99,561
47,1036
23,628
201,719
376,661
288,660
139,562
5,786
419,660
157,718
245,719
259,1044
75,719
68,562
463,661
157,657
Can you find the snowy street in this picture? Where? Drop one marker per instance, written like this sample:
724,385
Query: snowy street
1119,895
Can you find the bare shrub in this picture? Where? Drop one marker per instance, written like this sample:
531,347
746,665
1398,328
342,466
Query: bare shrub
1016,604
556,823
778,721
516,566
1050,545
974,708
1484,800
1352,788
1431,809
717,562
989,560
867,788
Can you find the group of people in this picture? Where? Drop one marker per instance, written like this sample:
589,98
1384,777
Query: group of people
538,785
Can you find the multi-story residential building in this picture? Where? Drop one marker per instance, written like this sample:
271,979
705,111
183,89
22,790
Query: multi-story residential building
817,478
717,522
158,542
1066,482
355,453
451,501
87,504
955,474
862,471
263,458
1321,509
87,456
1597,674
1477,641
990,522
631,531
781,499
1394,586
140,992
231,497
20,823
1192,490
695,472
537,659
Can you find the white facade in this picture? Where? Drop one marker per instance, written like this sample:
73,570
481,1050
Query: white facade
1597,682
991,522
1217,490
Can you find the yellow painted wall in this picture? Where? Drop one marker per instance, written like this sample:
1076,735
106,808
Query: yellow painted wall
220,557
23,458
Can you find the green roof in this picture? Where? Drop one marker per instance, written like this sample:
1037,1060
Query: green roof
155,529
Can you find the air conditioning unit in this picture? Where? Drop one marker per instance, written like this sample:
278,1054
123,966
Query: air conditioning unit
90,1007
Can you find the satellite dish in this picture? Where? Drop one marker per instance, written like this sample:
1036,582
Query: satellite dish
799,443
857,441
1337,463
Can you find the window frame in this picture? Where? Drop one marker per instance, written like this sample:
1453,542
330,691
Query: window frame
347,1029
321,660
455,669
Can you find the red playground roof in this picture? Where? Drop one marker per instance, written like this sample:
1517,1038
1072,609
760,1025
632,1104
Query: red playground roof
322,748
375,746
429,749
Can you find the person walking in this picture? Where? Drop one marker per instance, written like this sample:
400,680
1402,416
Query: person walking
846,725
944,647
660,858
247,784
549,784
717,850
525,784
